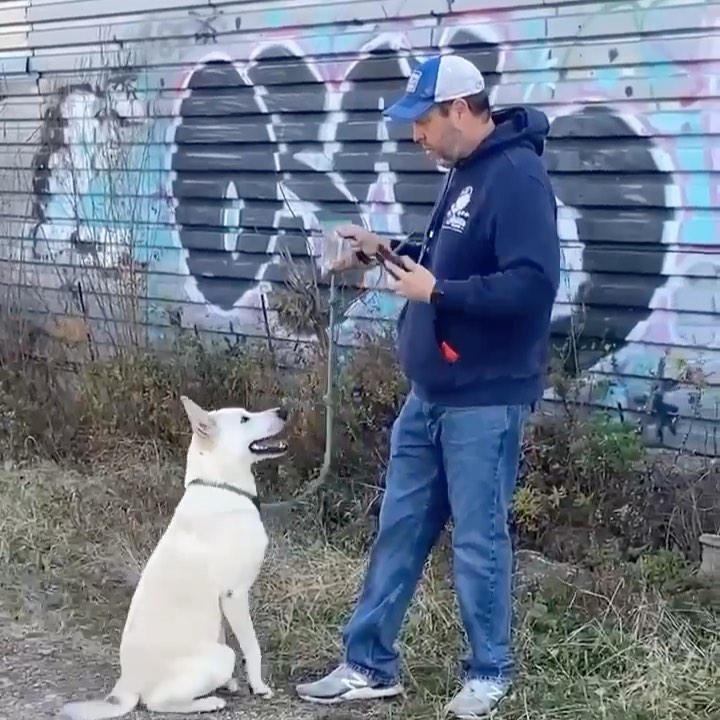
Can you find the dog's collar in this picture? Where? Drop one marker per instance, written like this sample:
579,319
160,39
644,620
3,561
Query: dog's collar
230,488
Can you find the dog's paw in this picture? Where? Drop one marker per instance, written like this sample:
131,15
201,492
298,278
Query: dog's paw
232,685
263,691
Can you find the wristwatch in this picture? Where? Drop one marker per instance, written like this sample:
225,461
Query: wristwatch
436,295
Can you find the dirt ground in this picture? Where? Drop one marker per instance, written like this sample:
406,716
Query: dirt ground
43,665
71,547
40,669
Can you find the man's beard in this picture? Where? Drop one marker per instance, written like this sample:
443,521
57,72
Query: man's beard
453,154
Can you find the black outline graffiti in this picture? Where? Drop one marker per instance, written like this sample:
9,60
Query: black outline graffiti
255,152
229,122
637,220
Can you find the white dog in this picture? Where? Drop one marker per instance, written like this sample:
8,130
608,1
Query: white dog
173,650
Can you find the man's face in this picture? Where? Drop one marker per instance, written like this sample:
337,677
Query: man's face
440,134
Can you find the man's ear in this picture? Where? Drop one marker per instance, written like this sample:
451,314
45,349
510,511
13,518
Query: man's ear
200,421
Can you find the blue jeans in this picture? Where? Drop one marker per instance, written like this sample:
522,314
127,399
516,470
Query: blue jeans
444,462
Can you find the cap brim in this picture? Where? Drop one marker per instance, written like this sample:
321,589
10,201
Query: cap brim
409,109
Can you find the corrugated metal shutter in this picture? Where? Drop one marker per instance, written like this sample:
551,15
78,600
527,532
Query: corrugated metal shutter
234,125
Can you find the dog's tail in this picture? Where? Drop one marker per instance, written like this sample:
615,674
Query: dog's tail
119,702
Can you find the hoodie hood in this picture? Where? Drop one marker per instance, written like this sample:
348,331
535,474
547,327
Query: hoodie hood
516,126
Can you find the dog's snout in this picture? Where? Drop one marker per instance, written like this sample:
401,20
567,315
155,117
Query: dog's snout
282,413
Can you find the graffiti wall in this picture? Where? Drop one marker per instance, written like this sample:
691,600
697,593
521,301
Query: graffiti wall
198,146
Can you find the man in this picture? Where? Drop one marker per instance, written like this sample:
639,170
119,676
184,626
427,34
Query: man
473,340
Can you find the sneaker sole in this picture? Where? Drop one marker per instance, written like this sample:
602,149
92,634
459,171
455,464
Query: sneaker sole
358,694
474,716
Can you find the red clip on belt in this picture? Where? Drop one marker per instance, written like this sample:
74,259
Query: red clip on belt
448,353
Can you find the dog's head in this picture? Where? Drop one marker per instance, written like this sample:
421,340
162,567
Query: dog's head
237,434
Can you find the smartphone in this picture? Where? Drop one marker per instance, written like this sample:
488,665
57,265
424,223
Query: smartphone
387,255
383,256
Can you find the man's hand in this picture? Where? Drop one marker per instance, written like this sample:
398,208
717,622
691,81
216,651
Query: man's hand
414,281
360,240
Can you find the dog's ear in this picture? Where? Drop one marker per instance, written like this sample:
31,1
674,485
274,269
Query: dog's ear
200,421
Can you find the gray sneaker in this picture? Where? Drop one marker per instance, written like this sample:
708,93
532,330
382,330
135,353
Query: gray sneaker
477,699
344,684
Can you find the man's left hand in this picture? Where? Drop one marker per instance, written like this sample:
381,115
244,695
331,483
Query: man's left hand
413,281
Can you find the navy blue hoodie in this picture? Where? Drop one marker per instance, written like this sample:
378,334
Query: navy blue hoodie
492,245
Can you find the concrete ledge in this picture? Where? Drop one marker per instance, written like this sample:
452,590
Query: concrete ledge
710,564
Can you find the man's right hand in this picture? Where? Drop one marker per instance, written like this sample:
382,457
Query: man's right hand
360,240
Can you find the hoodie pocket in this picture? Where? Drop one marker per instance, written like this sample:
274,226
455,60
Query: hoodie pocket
419,353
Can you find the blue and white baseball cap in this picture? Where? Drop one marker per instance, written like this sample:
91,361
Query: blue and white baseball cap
437,80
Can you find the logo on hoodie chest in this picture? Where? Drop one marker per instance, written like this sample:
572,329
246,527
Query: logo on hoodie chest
457,215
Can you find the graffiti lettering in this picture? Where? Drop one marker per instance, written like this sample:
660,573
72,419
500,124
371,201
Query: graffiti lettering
207,33
620,221
269,150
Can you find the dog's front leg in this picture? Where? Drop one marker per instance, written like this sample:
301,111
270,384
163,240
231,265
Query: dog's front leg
236,607
233,684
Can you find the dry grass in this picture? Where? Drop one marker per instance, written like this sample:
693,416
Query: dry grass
587,480
619,645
